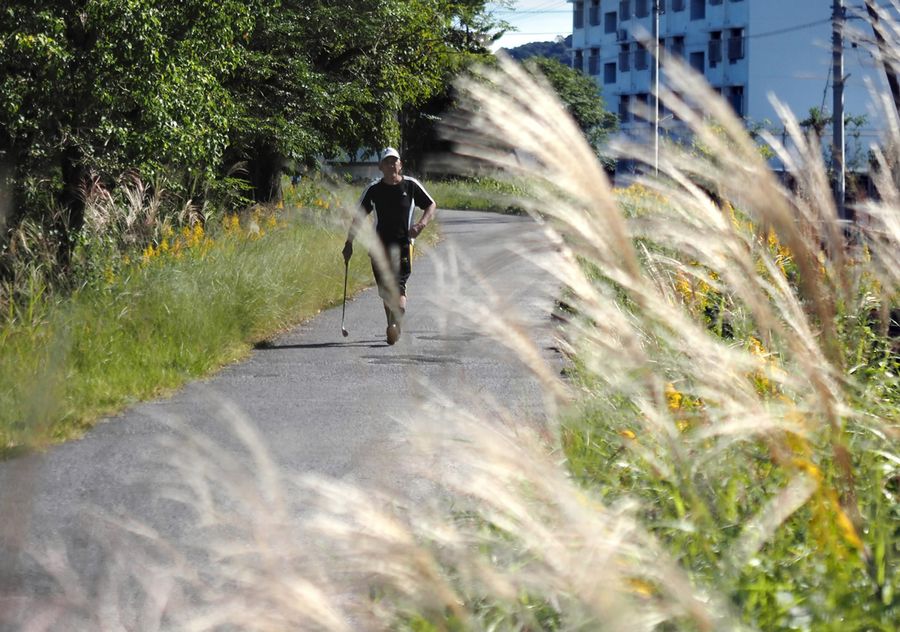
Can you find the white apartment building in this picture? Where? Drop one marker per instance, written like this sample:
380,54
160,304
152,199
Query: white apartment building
747,50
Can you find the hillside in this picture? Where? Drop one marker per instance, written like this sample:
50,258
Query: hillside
558,50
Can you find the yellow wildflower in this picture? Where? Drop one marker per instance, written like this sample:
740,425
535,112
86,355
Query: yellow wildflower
641,587
756,347
844,524
683,287
149,253
673,397
627,434
808,467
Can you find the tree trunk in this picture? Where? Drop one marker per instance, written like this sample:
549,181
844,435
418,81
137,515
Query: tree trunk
71,201
264,170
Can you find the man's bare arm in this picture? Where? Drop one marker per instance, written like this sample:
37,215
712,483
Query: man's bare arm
427,216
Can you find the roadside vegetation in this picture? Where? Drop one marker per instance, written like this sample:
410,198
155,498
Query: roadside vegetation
722,453
479,194
143,320
725,455
138,182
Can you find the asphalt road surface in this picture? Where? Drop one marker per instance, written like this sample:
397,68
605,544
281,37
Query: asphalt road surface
320,403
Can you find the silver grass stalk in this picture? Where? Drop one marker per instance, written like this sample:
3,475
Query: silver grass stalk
316,554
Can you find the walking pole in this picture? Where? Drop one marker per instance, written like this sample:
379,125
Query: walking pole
344,332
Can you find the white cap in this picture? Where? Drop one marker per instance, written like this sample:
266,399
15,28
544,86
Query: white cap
388,152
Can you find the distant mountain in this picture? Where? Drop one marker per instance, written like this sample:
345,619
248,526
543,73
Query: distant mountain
553,50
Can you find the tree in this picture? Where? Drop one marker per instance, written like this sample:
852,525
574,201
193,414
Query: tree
557,49
816,122
320,79
464,40
105,86
96,88
581,97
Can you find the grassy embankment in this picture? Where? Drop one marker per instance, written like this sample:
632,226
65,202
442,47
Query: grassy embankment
478,194
142,322
762,495
727,458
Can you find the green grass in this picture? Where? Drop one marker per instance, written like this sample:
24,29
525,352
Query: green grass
819,569
810,575
155,325
140,325
478,194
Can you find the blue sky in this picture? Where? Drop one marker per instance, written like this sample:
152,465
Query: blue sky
536,21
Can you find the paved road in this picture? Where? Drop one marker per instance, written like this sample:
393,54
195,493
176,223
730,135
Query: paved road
320,402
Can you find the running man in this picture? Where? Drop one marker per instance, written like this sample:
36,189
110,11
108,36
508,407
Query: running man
394,199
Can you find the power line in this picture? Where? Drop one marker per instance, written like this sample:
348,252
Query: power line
789,29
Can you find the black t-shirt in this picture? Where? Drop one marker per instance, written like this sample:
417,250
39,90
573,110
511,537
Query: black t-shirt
394,205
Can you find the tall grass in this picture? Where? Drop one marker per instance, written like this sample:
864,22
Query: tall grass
141,322
726,456
157,296
736,380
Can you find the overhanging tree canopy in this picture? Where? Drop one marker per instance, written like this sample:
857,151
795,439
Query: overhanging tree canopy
194,87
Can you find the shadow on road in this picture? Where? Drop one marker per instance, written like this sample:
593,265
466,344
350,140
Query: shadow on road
270,346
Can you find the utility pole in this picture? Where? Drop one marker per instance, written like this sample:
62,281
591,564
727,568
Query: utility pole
837,122
654,85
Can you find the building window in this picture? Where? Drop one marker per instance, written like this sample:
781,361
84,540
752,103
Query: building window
578,59
609,22
594,62
697,62
624,9
625,58
578,16
715,48
678,45
640,57
677,97
624,112
715,1
735,96
609,72
698,9
594,17
677,5
642,106
641,8
735,45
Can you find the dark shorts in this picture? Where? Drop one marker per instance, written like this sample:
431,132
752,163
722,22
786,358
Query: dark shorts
398,256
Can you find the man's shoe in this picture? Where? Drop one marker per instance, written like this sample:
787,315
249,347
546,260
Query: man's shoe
393,333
